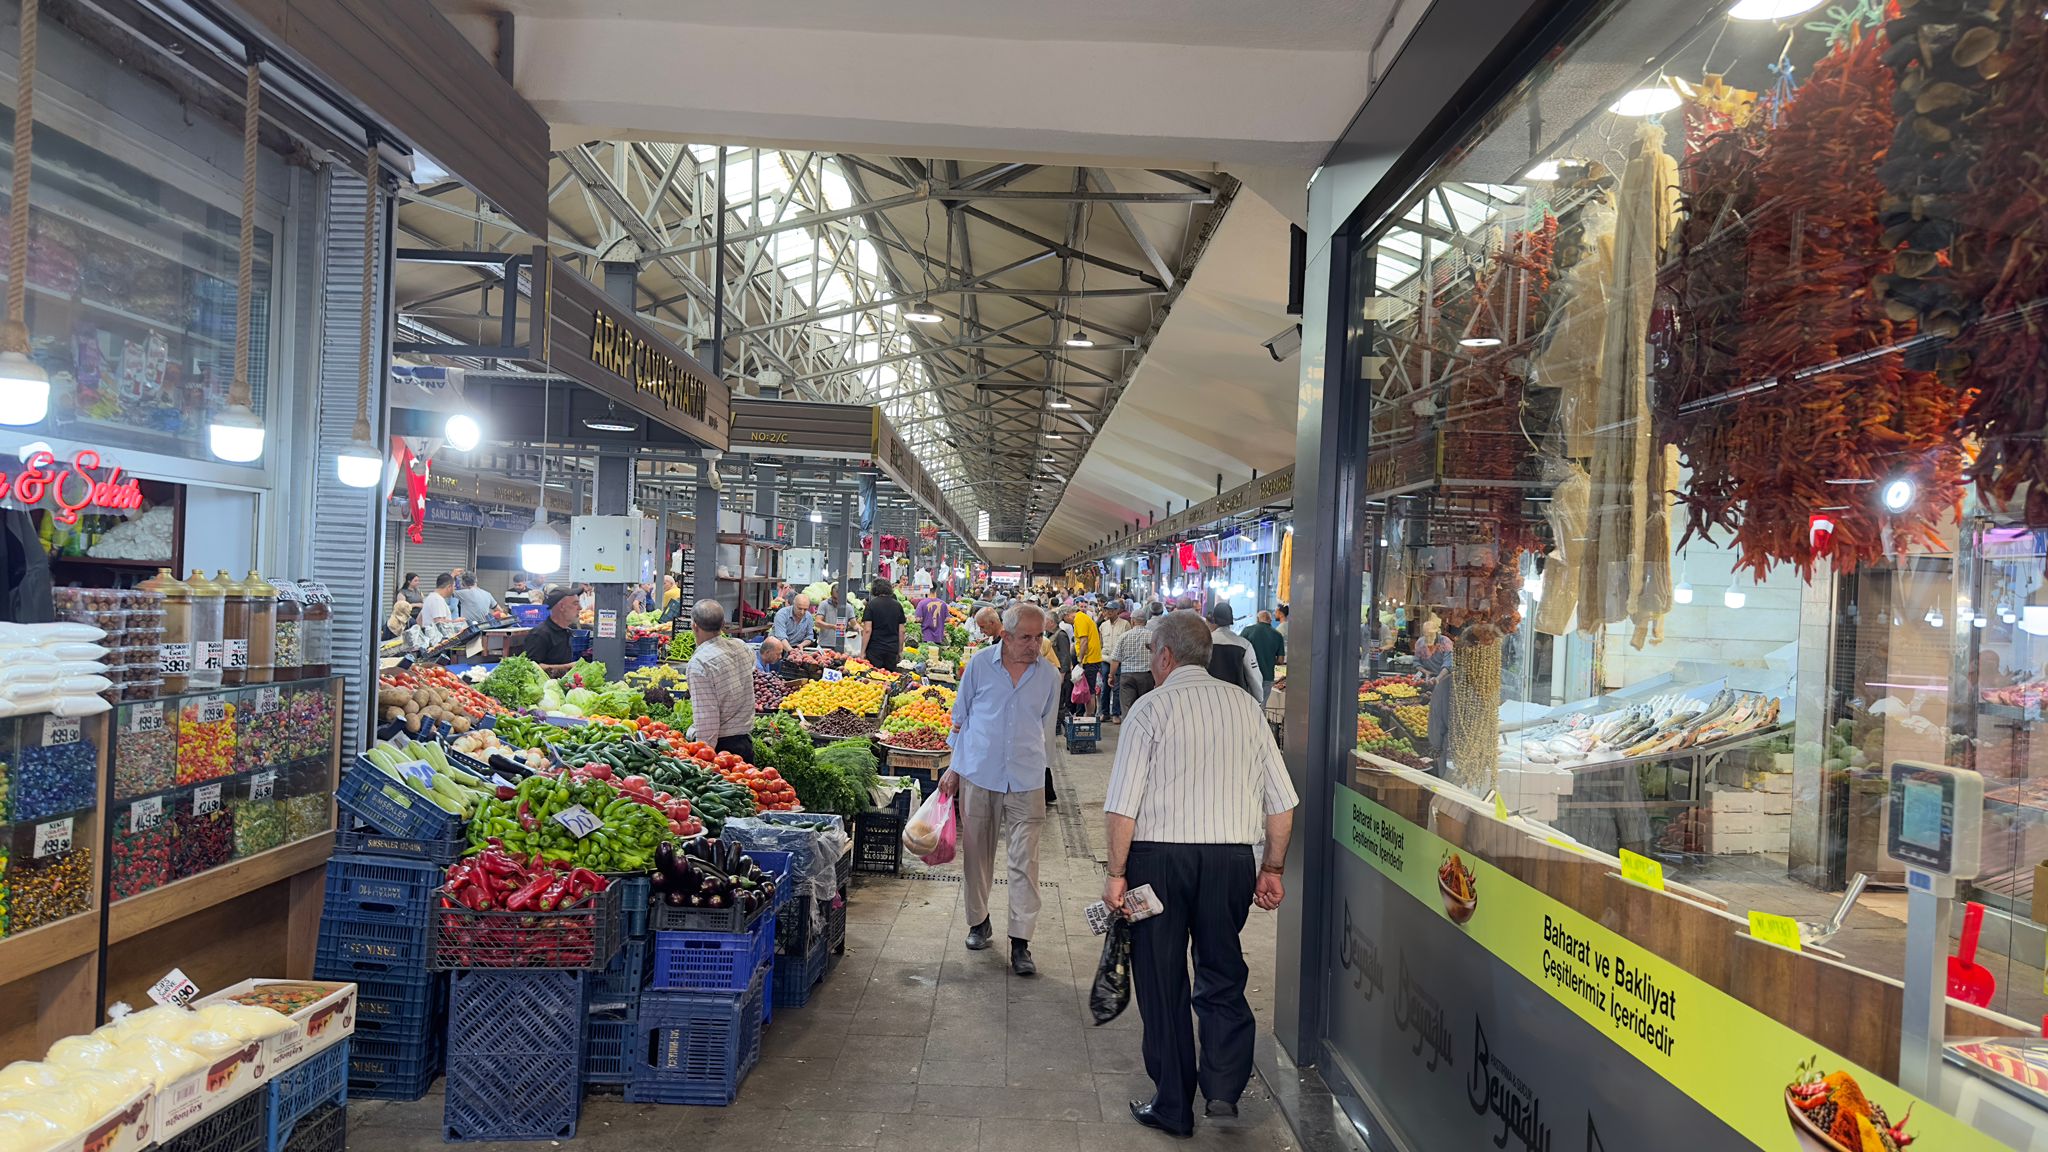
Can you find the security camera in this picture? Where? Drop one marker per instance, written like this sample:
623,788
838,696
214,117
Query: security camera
1284,343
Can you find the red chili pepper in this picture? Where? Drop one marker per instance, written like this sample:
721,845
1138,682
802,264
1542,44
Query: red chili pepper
522,900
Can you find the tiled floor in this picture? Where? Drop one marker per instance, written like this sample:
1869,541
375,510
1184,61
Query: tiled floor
914,1044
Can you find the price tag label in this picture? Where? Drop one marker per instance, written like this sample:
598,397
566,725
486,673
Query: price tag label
61,730
833,675
1641,869
147,716
213,710
1780,930
269,700
174,988
210,655
174,659
206,798
236,654
1500,808
145,814
607,624
418,772
53,837
262,785
578,820
498,781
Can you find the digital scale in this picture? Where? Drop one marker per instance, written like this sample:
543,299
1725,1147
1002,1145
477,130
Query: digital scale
1934,817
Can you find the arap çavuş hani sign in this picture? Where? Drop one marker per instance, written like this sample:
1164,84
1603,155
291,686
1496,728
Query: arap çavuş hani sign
69,491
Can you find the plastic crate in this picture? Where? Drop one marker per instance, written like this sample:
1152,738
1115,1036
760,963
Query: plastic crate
878,842
644,660
793,926
295,1093
710,961
778,865
795,977
835,923
523,1098
527,615
696,1047
503,1012
665,917
634,892
607,1035
619,985
369,842
393,1070
391,808
583,938
842,869
400,1008
325,1129
380,890
235,1128
370,946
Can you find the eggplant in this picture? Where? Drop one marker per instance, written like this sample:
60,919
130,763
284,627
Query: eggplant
676,899
665,857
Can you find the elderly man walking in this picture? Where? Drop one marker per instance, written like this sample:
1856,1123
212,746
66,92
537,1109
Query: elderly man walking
1003,712
721,684
1130,666
1197,782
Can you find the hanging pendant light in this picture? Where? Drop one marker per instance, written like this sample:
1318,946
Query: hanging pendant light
1079,339
922,312
24,386
540,547
361,464
236,434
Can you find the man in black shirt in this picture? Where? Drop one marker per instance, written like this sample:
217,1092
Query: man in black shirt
548,644
882,627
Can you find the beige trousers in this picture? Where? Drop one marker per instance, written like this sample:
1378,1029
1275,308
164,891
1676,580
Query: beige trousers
982,815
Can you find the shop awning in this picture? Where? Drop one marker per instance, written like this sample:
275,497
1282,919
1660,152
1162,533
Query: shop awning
1275,488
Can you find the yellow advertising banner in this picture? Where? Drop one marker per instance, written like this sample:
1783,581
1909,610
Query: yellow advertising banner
1772,1085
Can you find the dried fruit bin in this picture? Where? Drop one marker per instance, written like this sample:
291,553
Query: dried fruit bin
144,762
583,938
206,747
201,841
696,1047
141,857
393,809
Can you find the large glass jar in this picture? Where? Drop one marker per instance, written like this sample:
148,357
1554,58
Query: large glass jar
290,650
317,624
174,651
262,629
234,667
209,606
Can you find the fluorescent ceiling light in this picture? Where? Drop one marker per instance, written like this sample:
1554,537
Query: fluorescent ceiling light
1054,436
1480,342
1771,9
1646,102
1060,402
1080,339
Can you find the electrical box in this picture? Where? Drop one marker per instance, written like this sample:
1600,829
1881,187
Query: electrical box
613,549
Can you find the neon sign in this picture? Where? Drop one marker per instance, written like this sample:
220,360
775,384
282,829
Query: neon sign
73,489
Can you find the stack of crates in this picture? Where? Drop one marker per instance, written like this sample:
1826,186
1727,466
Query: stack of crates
613,1013
809,941
878,838
373,932
307,1107
238,1127
515,1054
698,1031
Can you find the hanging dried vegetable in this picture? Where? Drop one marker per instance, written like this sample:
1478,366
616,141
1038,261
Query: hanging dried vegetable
1839,404
1474,737
2007,254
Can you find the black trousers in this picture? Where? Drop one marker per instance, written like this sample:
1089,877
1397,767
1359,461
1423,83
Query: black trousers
1207,893
741,746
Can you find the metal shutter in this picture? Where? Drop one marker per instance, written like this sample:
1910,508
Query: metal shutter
346,534
441,549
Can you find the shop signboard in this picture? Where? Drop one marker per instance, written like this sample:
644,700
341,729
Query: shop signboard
1271,488
1405,467
1472,1008
83,486
610,350
894,456
802,428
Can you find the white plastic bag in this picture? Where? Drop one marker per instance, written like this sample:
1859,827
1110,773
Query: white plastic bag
932,832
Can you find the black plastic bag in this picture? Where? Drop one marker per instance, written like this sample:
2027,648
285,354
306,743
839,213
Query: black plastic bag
1111,992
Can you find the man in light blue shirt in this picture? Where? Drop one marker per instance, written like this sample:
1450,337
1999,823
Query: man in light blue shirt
1003,715
793,622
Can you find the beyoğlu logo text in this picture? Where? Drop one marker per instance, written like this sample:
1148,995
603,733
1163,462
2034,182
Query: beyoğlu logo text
1361,958
1492,1087
1417,1009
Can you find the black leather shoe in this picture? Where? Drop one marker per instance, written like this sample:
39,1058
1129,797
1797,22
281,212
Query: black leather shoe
1220,1110
1020,958
978,936
1143,1114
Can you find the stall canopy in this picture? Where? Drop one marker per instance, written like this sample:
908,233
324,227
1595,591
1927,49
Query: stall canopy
1261,492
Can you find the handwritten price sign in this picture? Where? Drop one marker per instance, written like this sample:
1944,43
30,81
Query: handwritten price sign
53,837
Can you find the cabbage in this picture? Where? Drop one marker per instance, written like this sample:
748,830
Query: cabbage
582,698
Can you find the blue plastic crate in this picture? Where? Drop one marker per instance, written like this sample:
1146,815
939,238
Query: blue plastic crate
794,977
607,1039
395,995
325,1129
509,1012
768,994
371,945
370,842
634,892
778,865
527,615
619,985
835,923
646,660
710,961
391,808
297,1091
420,1013
531,1097
380,889
695,1047
393,1070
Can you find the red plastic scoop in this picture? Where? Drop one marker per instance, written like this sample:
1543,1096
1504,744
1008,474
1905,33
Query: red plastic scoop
1968,980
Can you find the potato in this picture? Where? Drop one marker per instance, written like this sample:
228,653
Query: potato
388,696
394,713
462,723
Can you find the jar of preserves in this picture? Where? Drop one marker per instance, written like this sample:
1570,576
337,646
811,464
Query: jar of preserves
262,629
289,650
317,623
234,666
209,604
174,651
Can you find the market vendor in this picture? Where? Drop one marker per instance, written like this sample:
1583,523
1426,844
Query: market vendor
548,644
772,652
794,625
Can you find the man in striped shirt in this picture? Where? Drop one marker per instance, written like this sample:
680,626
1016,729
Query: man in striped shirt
1198,781
721,684
1130,666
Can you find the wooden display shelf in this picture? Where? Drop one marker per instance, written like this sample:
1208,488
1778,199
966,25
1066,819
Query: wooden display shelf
39,949
153,909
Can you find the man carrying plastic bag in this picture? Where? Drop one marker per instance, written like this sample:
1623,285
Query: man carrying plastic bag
1002,714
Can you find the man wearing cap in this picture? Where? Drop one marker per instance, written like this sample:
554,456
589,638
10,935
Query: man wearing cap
548,643
1230,656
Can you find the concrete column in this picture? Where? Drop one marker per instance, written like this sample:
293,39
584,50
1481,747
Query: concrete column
705,542
614,497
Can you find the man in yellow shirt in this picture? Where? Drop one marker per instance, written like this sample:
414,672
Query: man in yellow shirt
1088,652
